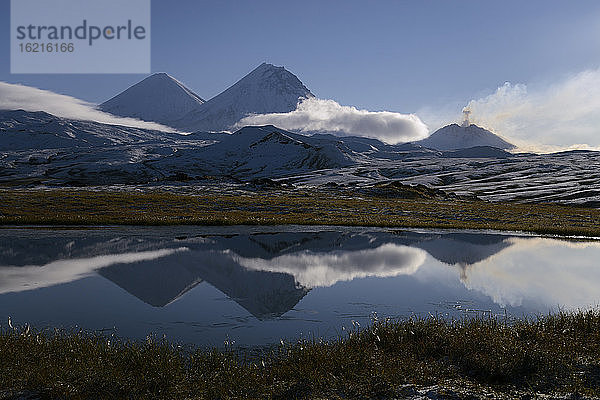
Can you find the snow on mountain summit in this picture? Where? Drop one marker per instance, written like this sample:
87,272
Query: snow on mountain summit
454,137
158,98
266,89
161,98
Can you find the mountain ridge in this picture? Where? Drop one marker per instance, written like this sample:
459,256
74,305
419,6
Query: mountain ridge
163,99
157,98
266,89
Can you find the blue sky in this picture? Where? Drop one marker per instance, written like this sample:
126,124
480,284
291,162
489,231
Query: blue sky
397,55
401,56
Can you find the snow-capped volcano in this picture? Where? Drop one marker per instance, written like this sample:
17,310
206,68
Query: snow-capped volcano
158,98
267,89
161,98
454,137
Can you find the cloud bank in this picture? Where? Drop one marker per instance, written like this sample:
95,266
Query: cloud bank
317,115
563,115
15,97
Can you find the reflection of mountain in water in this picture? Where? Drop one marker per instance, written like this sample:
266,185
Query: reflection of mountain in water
152,282
266,273
263,294
463,248
163,281
29,248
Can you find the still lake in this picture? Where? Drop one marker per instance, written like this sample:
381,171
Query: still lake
257,285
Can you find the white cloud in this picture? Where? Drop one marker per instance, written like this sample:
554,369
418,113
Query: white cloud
15,97
563,115
317,115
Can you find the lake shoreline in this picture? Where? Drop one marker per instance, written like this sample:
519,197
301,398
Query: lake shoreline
71,207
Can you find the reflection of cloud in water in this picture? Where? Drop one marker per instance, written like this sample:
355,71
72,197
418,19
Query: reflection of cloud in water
325,269
17,279
547,271
268,273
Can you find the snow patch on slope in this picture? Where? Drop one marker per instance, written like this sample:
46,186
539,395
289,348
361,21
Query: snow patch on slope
23,130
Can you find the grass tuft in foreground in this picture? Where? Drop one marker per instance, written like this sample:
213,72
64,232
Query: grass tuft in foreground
559,353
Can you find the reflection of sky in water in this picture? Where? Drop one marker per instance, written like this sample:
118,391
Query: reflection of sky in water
555,273
204,285
29,277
